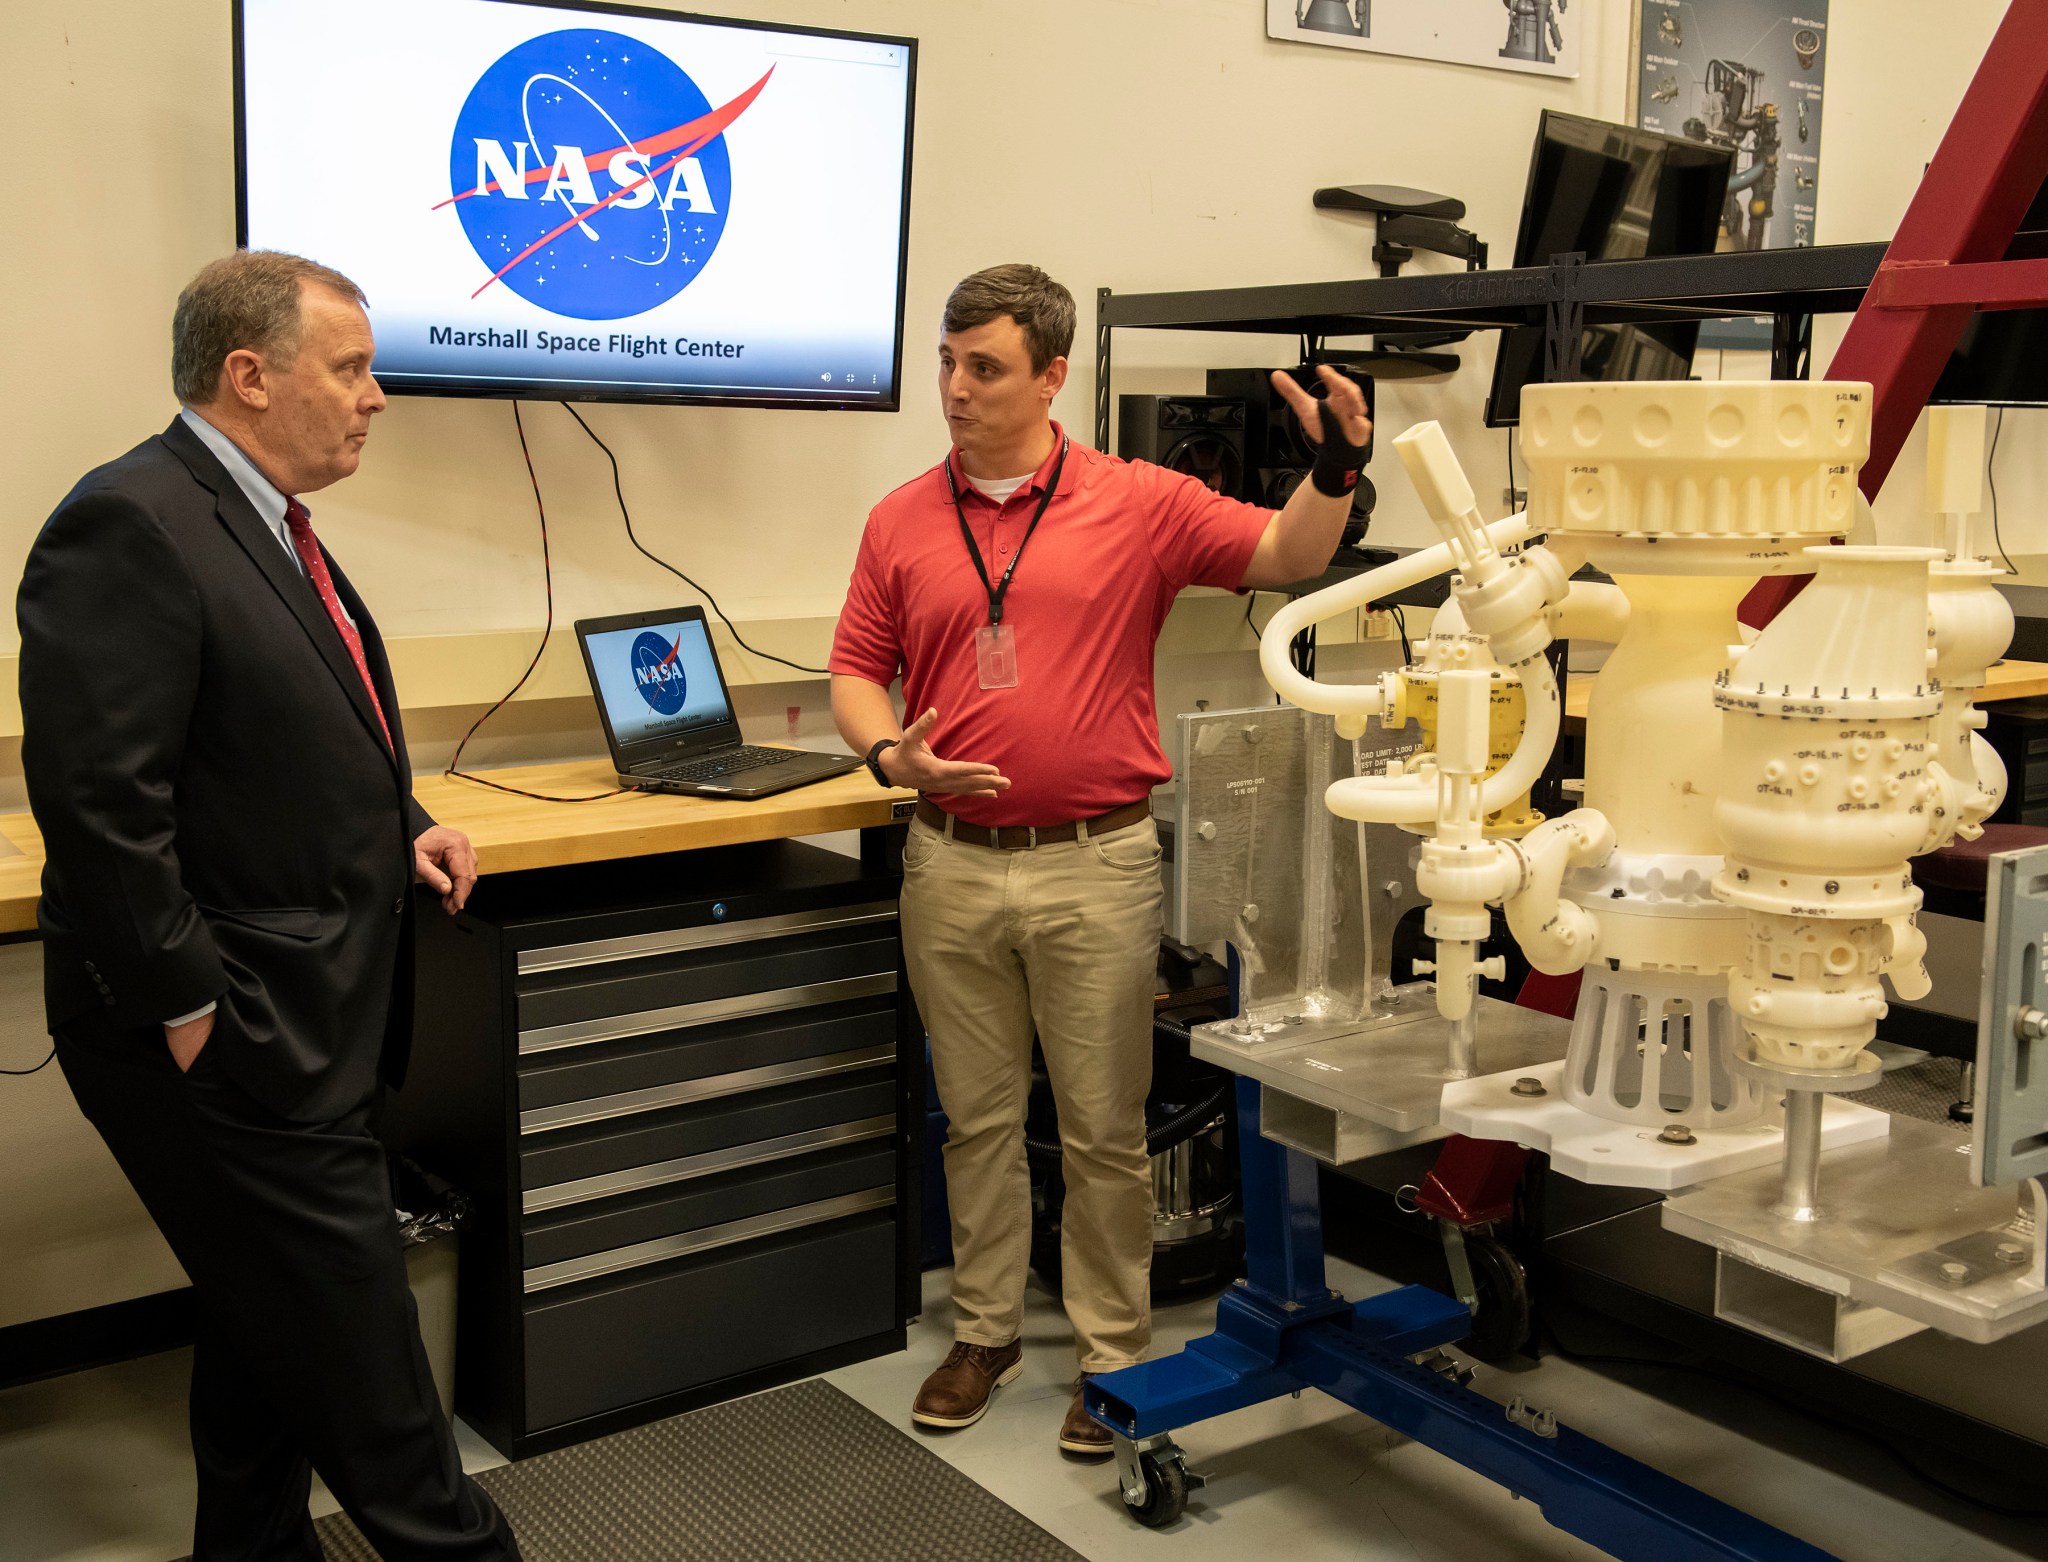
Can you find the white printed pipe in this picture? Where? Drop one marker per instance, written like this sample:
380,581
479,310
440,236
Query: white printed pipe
1557,935
1592,610
1340,699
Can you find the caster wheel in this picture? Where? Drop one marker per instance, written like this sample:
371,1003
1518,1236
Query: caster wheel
1500,1325
1166,1491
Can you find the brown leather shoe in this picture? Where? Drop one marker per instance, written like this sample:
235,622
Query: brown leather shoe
1080,1433
958,1392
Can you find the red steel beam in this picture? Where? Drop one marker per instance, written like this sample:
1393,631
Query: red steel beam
1990,165
1984,284
1943,261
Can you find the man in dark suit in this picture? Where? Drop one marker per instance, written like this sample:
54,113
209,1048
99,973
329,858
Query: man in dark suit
212,750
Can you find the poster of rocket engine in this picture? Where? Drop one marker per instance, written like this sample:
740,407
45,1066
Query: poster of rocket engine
1745,75
1537,36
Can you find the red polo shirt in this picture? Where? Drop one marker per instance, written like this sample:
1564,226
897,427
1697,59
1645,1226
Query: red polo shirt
1079,735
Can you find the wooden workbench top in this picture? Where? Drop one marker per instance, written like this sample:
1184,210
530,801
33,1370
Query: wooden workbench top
511,833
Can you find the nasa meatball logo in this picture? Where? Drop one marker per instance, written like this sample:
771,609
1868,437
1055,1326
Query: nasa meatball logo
591,174
658,673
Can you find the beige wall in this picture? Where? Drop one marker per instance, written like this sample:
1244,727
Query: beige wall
1134,144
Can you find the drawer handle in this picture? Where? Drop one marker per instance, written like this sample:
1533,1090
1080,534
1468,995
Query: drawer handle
683,1169
681,1016
598,951
630,1103
641,1254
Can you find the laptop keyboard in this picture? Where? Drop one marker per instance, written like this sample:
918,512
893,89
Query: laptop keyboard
725,763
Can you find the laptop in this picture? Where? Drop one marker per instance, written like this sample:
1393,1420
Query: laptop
668,716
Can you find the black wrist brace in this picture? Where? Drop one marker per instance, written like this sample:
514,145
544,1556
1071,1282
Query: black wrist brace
1338,461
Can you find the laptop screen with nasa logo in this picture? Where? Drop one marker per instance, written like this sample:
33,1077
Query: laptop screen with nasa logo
588,201
657,681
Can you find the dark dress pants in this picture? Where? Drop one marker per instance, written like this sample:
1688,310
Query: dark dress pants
308,1354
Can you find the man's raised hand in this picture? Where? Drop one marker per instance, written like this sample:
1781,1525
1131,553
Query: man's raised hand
1342,396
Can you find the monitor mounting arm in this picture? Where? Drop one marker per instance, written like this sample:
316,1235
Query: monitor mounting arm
1408,220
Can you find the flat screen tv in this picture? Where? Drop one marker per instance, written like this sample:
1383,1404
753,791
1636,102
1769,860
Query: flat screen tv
1610,192
587,201
2002,357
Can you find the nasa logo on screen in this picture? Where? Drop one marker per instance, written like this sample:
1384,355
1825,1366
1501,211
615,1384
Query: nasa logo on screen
658,673
591,174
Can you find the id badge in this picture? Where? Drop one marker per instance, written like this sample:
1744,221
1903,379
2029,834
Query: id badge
995,649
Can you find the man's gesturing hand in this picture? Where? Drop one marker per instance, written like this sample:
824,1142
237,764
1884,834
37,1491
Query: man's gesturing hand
444,861
1342,397
912,763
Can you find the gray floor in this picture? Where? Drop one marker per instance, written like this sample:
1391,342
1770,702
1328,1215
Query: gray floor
94,1468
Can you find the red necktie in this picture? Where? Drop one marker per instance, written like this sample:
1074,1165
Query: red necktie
308,549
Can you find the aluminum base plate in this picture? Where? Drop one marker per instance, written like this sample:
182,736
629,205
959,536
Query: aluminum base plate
1343,1093
1902,1227
1627,1155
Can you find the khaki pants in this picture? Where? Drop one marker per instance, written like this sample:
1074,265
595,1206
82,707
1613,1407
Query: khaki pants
1066,937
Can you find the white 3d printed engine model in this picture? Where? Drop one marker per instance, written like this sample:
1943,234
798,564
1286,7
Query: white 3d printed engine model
1737,882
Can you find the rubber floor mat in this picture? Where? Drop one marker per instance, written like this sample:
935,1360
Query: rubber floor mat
799,1474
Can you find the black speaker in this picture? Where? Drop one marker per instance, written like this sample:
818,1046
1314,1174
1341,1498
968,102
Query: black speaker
1278,454
1203,436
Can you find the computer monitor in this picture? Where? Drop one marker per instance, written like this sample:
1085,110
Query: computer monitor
2002,359
1610,192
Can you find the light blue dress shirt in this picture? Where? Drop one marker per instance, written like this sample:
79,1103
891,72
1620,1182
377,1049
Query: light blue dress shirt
262,492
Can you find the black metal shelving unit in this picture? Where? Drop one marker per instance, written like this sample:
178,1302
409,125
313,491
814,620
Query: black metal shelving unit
1789,285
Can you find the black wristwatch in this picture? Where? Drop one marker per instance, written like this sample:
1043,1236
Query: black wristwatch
874,761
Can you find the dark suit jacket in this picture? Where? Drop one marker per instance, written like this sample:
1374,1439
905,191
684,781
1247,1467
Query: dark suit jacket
222,817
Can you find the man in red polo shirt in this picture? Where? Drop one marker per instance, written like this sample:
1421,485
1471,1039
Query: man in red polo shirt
1019,588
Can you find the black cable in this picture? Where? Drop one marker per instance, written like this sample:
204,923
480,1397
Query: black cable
1250,598
1511,469
548,575
1732,1380
731,628
1991,477
1401,624
23,1073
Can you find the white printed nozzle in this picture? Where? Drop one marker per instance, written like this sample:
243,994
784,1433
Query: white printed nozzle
1446,494
1955,470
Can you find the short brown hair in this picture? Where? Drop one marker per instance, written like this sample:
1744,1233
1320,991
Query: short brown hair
247,300
1043,310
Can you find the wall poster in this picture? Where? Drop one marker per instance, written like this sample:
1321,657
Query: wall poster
1746,75
1540,36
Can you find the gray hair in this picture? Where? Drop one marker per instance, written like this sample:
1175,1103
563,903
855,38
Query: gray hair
247,300
1043,310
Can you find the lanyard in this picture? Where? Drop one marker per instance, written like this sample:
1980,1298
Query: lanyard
997,592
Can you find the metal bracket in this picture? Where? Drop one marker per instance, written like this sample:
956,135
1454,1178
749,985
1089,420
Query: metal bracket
2009,1142
1130,1469
1542,1422
1462,1283
1564,319
1791,347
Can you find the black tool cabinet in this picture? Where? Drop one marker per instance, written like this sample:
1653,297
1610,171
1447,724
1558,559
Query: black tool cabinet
678,1091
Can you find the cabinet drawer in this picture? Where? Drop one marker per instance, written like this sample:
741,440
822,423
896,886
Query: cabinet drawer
663,1331
601,1237
637,946
598,1161
552,1004
732,1047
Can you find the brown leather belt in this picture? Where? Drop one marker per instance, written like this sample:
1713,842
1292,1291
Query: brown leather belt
1022,837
